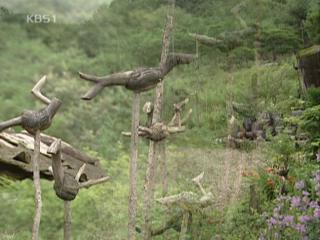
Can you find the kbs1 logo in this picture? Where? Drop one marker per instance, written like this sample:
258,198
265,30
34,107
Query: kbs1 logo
41,18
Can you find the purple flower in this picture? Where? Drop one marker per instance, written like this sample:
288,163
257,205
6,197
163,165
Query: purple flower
304,218
317,213
287,220
295,201
301,228
318,156
314,204
305,193
299,185
272,221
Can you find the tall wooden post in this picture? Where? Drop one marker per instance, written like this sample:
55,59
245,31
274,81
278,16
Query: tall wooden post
37,187
67,220
154,146
134,166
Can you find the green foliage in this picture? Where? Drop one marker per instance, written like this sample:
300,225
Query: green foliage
279,41
282,150
127,35
242,56
241,222
313,96
313,23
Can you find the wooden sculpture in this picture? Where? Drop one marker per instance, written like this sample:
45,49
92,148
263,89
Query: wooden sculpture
158,131
67,185
139,80
34,122
188,203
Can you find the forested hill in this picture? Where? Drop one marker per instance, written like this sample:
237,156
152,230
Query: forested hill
127,34
253,58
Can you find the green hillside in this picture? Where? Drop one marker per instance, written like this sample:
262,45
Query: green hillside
102,37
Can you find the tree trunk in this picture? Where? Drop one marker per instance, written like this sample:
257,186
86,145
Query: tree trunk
67,220
36,182
133,166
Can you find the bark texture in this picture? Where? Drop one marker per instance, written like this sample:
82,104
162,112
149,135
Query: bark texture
34,120
139,80
67,220
37,187
134,166
156,117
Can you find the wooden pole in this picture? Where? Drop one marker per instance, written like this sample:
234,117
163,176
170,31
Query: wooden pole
67,220
164,168
133,166
36,182
154,146
184,226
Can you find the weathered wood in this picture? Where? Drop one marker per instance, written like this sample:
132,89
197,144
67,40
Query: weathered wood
36,91
55,150
79,173
36,120
10,123
163,168
188,201
68,149
65,185
197,181
184,226
159,131
36,182
90,183
178,107
15,159
67,220
139,80
132,208
309,65
205,40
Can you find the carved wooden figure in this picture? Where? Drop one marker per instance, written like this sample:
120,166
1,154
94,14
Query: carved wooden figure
66,185
35,122
188,203
139,80
158,131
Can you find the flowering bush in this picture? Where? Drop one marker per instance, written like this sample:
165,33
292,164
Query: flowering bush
298,216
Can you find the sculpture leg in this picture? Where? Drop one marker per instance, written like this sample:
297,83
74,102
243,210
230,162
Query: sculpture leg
36,181
67,220
184,226
133,166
